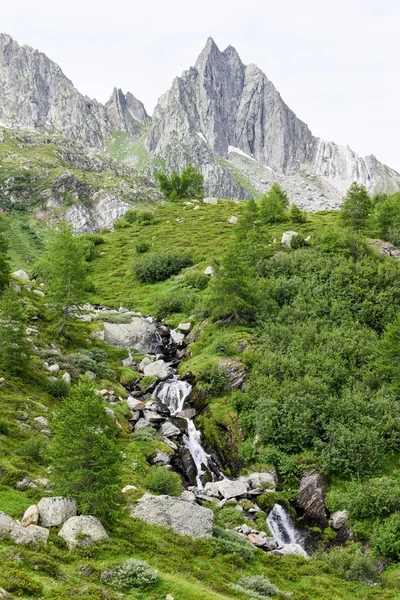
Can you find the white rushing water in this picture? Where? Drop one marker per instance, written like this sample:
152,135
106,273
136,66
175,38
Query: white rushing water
284,531
174,393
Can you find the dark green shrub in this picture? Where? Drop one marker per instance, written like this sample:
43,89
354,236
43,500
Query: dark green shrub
257,587
121,224
130,215
352,563
158,267
5,426
175,302
385,538
33,450
19,583
196,280
144,217
163,481
213,379
142,247
298,241
58,389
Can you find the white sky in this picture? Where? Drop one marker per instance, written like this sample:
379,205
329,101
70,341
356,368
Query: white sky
335,63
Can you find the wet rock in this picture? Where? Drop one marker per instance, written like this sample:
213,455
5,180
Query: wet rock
189,413
56,510
183,517
152,417
169,430
339,519
310,498
159,369
83,531
177,337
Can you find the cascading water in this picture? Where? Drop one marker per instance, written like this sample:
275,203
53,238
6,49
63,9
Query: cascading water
284,531
174,393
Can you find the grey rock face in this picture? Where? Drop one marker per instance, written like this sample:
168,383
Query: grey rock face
37,95
12,530
124,112
311,495
223,108
139,334
82,532
235,372
183,517
56,510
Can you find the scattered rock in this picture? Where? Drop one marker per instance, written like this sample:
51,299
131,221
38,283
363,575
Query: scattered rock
141,424
40,534
91,375
168,430
161,458
135,404
83,531
287,238
339,519
24,483
12,530
232,220
264,481
210,200
127,488
56,510
41,421
209,271
38,293
146,361
54,368
183,517
185,327
67,378
21,274
177,337
31,516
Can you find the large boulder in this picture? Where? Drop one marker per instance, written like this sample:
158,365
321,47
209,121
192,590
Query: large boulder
40,534
139,334
12,530
264,481
82,532
310,498
232,489
56,510
183,517
168,430
159,369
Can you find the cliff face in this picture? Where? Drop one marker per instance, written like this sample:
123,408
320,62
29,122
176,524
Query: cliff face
35,94
227,107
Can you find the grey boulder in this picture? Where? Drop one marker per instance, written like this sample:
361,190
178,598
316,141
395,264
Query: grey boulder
56,510
183,517
310,498
138,334
339,519
82,532
265,481
40,534
159,369
12,530
287,238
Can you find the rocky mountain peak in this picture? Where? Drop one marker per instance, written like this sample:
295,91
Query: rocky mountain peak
124,112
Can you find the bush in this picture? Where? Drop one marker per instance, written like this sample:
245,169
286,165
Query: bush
133,574
121,224
17,582
175,302
298,241
257,587
228,542
155,267
145,434
34,450
142,247
144,217
213,379
385,538
352,563
196,280
130,215
5,426
58,389
162,481
371,499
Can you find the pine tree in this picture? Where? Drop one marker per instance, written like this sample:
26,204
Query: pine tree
190,184
66,272
15,350
273,205
4,258
296,215
232,300
86,458
356,207
248,219
388,364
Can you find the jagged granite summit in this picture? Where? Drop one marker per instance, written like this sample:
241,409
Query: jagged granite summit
221,112
35,94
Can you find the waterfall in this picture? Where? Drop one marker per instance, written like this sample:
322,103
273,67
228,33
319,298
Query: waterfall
284,531
174,393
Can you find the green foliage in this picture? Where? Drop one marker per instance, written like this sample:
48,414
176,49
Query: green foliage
374,498
356,207
158,267
34,450
257,587
144,434
5,426
213,379
163,481
58,389
190,184
175,302
232,300
388,361
142,247
133,574
385,538
197,280
273,205
4,258
121,224
352,563
230,543
298,241
66,274
95,360
86,466
15,350
296,215
15,581
385,219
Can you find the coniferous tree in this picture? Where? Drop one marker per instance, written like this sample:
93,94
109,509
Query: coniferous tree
190,184
388,364
296,215
273,205
232,300
248,219
15,350
356,207
4,258
66,272
86,458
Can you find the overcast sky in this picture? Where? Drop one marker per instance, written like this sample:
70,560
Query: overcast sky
336,64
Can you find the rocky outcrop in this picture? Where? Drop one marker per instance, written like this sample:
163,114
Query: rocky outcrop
139,334
125,112
222,110
183,517
83,531
37,95
56,510
310,499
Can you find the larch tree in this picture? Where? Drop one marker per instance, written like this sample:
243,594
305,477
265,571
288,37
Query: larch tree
15,350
